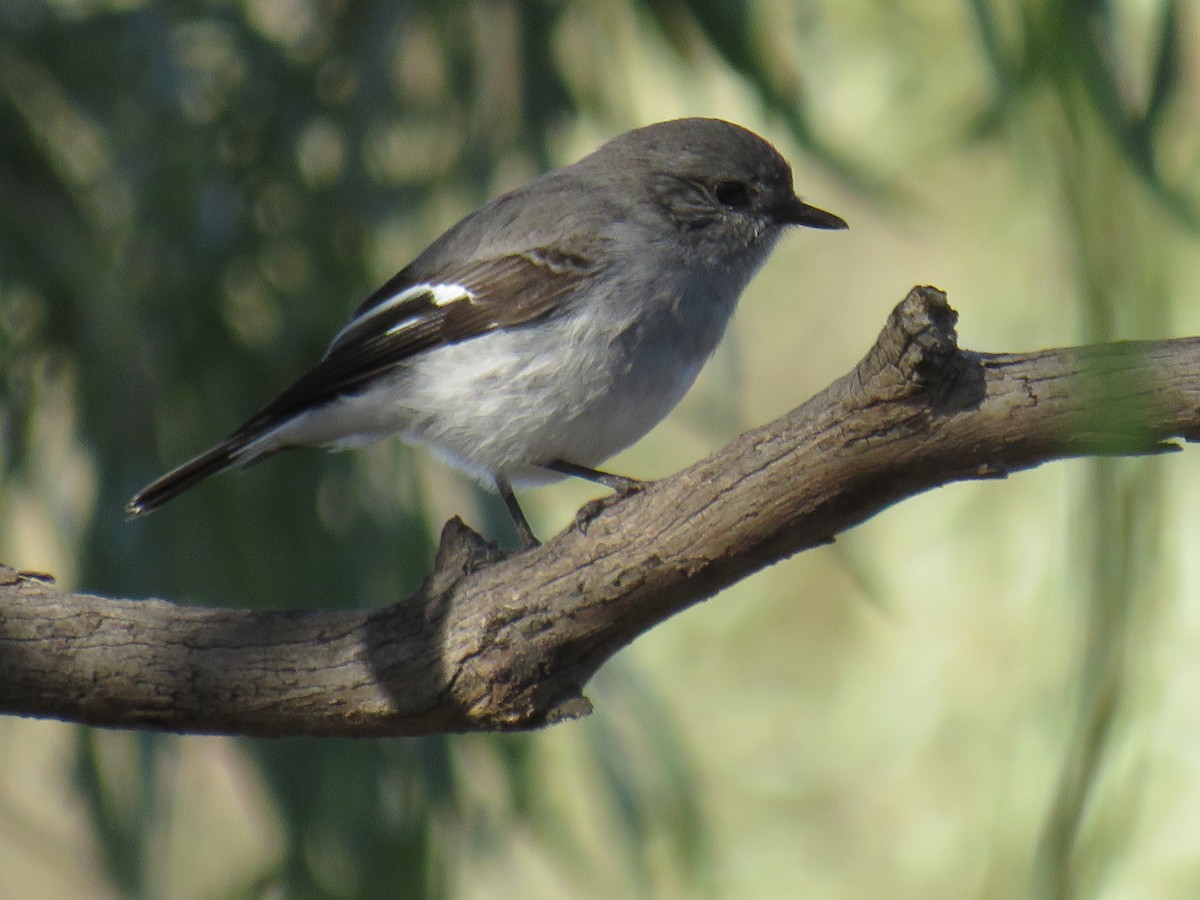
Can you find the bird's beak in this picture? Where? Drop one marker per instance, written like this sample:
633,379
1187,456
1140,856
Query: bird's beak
797,212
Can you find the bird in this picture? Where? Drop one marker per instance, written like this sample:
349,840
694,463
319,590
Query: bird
550,328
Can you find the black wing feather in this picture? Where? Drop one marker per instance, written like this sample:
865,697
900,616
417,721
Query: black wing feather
500,292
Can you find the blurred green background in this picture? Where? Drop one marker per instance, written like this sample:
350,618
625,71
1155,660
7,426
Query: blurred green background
988,691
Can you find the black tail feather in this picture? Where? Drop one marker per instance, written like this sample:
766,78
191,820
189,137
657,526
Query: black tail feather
218,459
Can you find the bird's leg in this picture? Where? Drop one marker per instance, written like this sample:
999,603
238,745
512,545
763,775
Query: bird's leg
524,532
620,484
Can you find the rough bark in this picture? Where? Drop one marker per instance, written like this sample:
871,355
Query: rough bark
495,641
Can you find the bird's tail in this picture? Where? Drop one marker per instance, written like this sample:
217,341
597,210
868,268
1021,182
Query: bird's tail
230,452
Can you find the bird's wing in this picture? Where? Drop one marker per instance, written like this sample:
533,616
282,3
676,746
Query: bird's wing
412,314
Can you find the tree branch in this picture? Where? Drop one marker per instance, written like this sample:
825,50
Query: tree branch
496,641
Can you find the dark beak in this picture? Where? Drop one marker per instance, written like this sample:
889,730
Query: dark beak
797,212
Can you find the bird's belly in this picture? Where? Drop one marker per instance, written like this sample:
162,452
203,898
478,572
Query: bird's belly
508,403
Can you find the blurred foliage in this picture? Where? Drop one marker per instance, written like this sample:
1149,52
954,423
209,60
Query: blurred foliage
1078,52
193,195
1066,70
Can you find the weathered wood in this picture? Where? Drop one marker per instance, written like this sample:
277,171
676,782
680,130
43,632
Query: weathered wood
506,642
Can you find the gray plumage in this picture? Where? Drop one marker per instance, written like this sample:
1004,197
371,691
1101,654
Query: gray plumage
557,323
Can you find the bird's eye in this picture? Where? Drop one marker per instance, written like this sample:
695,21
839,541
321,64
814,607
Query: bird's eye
732,193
